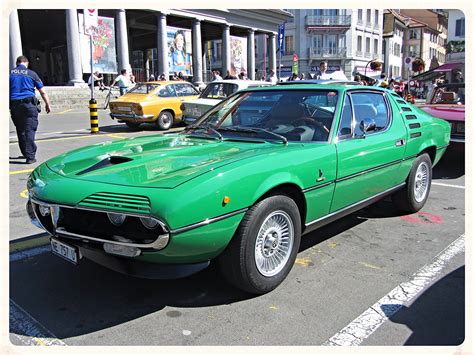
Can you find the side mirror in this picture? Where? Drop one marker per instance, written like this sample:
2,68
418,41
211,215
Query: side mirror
370,127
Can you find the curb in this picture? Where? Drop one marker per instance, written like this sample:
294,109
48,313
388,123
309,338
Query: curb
29,242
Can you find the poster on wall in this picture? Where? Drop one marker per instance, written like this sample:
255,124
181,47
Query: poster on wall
103,41
238,55
179,51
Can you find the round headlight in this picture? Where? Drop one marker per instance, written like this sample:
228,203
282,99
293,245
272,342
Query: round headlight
149,222
44,210
116,219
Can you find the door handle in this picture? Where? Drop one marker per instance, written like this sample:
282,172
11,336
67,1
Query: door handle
400,142
321,177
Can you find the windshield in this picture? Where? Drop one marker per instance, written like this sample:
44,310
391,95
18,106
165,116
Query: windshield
219,91
449,95
285,115
143,88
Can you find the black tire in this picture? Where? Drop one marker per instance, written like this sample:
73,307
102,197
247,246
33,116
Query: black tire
407,199
238,262
133,125
165,120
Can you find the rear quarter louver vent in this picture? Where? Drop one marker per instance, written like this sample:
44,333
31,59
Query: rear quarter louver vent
117,202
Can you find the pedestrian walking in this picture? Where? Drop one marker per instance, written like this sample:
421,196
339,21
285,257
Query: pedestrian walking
123,81
24,106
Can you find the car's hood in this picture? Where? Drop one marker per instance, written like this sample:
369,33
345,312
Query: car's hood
447,112
153,161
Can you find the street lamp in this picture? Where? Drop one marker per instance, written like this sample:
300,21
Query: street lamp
372,61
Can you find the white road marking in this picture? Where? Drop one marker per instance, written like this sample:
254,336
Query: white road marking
28,330
448,185
368,322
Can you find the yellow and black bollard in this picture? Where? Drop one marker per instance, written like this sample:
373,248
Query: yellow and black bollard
94,115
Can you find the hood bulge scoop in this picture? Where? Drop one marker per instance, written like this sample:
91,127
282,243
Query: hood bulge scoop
113,160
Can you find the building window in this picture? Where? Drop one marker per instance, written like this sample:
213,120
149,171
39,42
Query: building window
367,45
317,12
413,34
369,15
413,51
376,46
460,27
359,43
359,16
318,41
376,20
289,47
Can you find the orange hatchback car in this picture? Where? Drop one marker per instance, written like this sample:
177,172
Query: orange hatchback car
154,101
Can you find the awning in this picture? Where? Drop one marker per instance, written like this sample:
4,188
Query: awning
448,67
437,72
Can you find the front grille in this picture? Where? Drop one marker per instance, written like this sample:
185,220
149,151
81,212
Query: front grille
97,225
118,202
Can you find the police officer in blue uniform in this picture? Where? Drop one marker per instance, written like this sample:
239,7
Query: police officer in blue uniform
24,108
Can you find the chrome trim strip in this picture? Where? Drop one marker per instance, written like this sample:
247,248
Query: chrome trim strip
355,204
457,140
62,231
369,170
308,189
207,221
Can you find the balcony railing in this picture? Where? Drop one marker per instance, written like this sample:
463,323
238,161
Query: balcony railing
330,52
329,21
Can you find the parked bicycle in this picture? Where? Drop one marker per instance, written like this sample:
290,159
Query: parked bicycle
113,93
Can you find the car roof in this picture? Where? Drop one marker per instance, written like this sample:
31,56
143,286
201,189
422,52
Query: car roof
307,86
319,81
241,82
165,82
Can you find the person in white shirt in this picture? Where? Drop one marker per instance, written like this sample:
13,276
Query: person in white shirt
123,81
98,80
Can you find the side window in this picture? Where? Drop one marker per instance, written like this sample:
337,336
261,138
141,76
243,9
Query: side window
370,108
167,91
185,90
345,128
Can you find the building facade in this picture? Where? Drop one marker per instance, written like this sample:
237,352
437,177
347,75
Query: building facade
346,39
425,37
144,40
394,28
456,36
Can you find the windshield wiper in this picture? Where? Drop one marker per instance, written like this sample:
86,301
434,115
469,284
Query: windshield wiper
205,128
254,130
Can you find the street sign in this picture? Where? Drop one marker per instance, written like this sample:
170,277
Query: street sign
91,19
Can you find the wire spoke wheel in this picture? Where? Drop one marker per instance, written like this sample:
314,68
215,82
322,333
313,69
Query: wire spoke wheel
421,182
274,243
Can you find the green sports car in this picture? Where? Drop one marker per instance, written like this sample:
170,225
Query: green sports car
241,186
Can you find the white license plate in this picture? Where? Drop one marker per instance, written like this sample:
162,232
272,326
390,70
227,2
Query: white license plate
124,108
65,251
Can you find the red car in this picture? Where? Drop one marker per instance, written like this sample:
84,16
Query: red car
447,102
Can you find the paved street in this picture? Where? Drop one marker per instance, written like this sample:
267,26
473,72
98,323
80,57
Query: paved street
347,269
